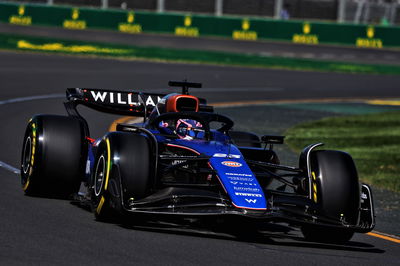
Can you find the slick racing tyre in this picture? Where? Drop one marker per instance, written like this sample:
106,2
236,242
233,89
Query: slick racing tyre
122,174
53,156
336,193
245,139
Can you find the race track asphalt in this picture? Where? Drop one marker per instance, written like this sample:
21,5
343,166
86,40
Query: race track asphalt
47,231
265,48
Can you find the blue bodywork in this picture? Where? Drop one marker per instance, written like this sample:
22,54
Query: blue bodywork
233,173
235,176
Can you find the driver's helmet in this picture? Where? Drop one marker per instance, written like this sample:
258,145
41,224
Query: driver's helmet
189,129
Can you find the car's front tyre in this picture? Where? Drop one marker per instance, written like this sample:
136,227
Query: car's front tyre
335,192
122,174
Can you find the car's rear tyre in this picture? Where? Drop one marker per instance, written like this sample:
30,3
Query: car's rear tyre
336,193
122,174
245,139
53,156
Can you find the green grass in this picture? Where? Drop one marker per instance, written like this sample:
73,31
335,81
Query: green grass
373,140
49,45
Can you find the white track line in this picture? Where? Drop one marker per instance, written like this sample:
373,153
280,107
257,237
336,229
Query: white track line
9,168
25,99
32,98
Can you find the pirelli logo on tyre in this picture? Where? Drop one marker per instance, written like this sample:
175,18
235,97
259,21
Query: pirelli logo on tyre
231,164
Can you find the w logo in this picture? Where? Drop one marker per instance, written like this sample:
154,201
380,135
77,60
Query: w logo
251,200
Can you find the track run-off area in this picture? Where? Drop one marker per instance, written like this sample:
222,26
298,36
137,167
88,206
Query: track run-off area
48,231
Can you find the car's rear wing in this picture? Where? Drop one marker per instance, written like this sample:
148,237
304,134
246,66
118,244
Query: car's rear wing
114,101
129,103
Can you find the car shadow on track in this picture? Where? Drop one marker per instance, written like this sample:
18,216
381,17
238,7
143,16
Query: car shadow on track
272,234
277,235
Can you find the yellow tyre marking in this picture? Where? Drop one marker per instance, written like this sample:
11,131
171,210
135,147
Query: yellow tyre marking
33,144
314,187
379,235
108,163
26,184
98,209
102,200
33,152
25,187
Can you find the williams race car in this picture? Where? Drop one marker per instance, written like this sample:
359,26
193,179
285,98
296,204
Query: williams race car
183,159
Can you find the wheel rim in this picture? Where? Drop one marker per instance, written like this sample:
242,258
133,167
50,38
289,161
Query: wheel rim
26,157
99,175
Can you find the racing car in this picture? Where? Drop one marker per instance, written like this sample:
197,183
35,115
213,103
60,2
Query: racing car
182,159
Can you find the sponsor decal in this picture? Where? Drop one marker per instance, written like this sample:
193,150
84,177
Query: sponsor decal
176,162
251,200
20,19
237,174
242,183
306,37
370,41
243,179
122,98
247,189
187,30
224,155
245,33
74,23
248,194
231,164
130,26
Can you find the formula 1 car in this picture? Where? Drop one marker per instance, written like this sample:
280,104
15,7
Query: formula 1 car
184,159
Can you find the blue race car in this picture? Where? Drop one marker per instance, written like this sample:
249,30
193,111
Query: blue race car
184,160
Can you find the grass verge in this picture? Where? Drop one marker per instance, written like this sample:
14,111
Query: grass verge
373,140
40,44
